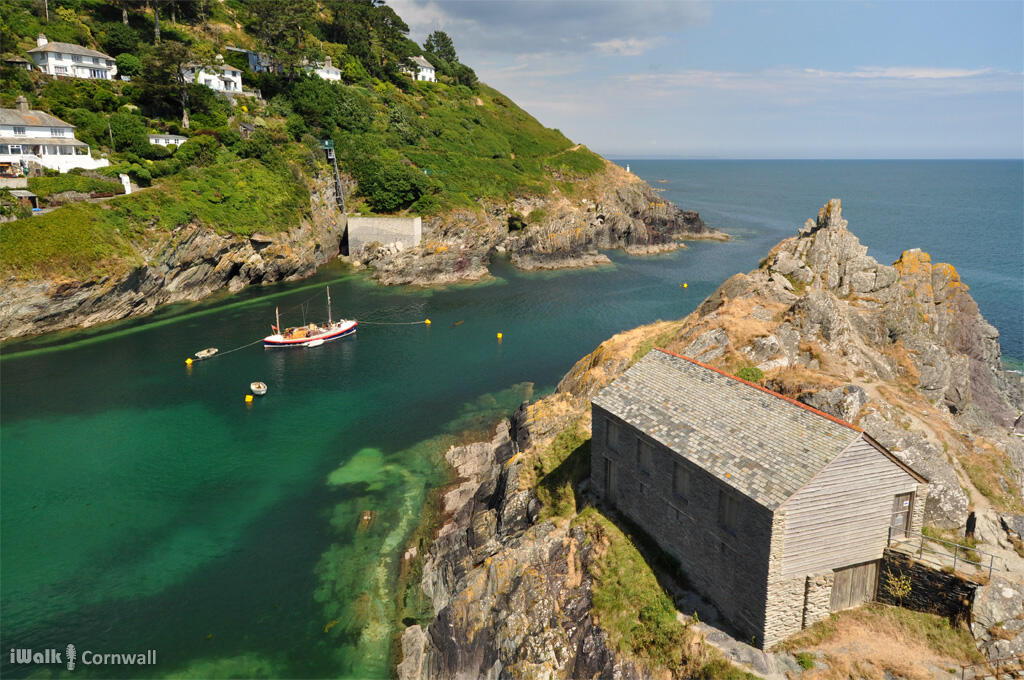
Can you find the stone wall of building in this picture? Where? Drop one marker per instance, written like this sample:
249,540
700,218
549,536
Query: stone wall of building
729,567
403,232
931,590
917,512
818,597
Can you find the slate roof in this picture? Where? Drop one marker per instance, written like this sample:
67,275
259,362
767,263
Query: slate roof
762,444
35,141
422,62
31,118
69,48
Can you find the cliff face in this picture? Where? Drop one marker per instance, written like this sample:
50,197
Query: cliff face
511,595
613,209
900,350
185,265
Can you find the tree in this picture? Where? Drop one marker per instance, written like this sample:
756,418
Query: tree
128,64
164,81
127,132
441,45
281,29
119,38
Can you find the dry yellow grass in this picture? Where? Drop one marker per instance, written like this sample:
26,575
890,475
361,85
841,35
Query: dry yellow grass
871,641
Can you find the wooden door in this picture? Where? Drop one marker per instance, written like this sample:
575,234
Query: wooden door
902,504
610,482
854,585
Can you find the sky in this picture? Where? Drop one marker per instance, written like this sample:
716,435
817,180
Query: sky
817,79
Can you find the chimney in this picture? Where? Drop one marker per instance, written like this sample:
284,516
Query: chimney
21,103
327,62
41,40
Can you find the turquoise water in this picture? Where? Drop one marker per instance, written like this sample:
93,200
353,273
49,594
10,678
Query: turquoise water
143,505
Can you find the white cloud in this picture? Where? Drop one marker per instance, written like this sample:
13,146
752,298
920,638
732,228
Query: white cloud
902,73
629,47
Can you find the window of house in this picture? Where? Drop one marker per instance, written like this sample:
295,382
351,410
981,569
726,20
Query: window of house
15,149
66,151
728,511
612,434
19,130
50,149
680,481
4,148
60,70
56,132
76,58
97,73
645,456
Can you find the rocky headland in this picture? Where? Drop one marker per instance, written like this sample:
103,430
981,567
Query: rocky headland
901,350
611,209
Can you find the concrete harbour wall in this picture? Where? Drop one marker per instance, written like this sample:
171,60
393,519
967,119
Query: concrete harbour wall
404,232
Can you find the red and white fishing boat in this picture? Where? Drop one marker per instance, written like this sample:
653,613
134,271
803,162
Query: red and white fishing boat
310,335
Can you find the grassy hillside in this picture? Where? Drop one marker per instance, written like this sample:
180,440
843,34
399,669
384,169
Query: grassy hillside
411,146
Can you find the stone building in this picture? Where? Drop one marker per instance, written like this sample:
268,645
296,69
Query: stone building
777,513
30,140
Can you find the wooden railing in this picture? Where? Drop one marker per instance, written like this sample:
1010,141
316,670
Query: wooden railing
959,553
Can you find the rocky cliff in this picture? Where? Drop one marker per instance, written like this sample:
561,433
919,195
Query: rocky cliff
613,209
187,264
899,349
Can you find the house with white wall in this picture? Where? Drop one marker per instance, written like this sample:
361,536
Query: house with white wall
29,137
421,70
327,70
74,61
163,139
220,77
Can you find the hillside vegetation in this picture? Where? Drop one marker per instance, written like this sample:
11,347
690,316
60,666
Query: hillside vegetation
403,145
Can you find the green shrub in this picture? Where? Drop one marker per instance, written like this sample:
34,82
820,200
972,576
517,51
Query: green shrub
200,150
750,374
128,65
805,659
44,187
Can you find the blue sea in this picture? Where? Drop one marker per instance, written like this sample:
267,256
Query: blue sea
969,213
144,505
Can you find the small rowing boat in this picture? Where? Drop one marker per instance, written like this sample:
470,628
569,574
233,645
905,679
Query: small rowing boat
258,388
206,353
311,335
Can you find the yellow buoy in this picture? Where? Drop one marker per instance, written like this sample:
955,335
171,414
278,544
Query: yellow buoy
686,285
427,321
499,337
248,399
188,362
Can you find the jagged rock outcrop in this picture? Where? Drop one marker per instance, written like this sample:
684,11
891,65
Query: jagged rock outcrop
613,209
511,595
188,264
829,326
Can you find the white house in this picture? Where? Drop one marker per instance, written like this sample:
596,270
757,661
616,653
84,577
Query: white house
165,139
34,137
219,78
422,70
327,70
66,59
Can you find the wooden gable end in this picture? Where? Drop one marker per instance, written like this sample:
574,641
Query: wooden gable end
841,517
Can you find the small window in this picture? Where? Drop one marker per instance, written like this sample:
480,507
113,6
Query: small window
645,456
680,481
612,434
728,511
66,151
19,130
4,149
61,70
56,132
76,58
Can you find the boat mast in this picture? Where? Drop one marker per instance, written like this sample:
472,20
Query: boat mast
277,318
330,322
